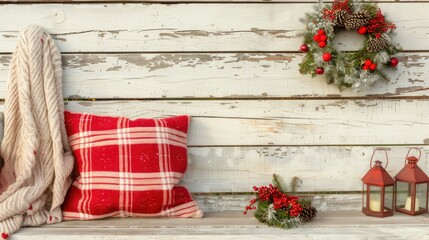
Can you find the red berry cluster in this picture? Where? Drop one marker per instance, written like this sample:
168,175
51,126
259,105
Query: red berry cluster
267,193
288,203
250,206
336,6
295,209
369,65
321,38
379,25
279,199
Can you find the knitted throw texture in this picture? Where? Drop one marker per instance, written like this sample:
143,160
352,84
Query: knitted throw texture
35,150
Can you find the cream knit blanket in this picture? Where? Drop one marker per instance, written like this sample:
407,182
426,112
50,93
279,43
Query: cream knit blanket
35,150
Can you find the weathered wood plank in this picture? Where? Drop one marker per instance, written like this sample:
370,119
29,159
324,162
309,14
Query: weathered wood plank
297,122
359,232
204,75
330,225
236,202
177,1
157,1
237,220
238,169
187,27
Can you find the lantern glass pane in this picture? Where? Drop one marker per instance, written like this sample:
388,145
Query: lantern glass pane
403,192
375,198
421,193
388,198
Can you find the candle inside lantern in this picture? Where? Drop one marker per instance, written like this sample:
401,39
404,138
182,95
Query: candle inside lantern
408,204
374,205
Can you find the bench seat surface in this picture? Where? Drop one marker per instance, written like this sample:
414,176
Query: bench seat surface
235,225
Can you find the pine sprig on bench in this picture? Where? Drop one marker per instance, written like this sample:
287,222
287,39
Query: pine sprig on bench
277,207
265,213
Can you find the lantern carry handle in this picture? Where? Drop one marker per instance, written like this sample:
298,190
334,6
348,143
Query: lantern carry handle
379,149
409,150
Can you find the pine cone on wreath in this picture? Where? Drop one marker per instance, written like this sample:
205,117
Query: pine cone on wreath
340,17
308,213
357,20
378,44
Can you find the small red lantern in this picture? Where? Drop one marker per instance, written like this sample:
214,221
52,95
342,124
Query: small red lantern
411,187
377,190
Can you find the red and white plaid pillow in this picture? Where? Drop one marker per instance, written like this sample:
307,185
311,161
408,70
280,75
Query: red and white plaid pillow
128,167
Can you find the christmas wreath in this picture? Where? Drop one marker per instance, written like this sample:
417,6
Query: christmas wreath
277,207
359,69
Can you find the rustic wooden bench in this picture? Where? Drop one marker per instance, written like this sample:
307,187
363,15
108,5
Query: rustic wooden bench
233,66
234,225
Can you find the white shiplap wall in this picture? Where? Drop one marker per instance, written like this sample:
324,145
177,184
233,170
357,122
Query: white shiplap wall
233,66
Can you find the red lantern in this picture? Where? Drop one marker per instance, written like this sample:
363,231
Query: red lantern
377,190
411,187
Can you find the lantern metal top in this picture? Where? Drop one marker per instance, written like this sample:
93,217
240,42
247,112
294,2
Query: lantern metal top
377,175
411,172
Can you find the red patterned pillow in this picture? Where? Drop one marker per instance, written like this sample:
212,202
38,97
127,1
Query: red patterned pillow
128,167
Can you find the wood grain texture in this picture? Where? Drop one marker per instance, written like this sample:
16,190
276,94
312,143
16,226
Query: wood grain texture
188,27
155,1
276,122
236,202
237,219
235,225
208,75
380,232
176,1
238,169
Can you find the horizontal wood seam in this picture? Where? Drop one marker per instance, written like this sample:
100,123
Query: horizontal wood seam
181,2
373,97
306,145
301,194
306,98
192,52
153,2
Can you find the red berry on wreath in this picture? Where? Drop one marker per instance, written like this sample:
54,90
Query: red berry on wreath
320,70
327,57
365,67
321,32
394,62
368,63
323,38
316,38
373,66
303,48
322,44
362,30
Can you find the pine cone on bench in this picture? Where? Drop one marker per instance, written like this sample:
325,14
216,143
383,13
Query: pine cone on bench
308,213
